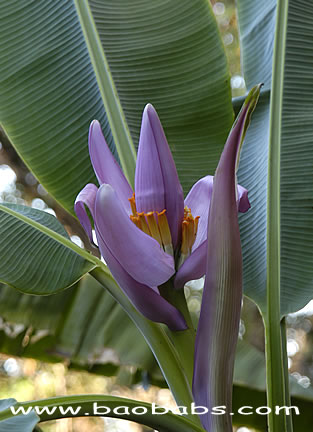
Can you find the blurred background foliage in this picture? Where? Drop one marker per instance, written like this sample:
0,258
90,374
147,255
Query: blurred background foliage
32,326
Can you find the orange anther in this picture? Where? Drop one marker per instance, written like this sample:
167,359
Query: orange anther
136,221
133,204
196,227
189,232
164,228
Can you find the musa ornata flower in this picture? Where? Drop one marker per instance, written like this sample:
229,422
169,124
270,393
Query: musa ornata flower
149,235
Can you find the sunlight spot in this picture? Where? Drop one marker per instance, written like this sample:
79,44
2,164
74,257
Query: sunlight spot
38,204
237,82
77,240
7,178
292,347
219,8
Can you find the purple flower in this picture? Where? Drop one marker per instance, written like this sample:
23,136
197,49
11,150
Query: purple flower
150,235
218,326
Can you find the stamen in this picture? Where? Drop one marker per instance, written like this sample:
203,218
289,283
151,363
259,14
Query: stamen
153,226
164,228
165,232
184,245
143,222
133,204
196,227
136,221
189,233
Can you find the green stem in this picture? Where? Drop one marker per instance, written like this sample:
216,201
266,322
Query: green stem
112,105
274,375
84,405
162,348
184,341
289,424
274,356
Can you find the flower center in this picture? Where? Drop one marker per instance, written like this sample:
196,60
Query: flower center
154,224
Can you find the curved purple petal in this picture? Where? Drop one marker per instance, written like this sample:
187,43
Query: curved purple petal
157,185
222,294
87,196
144,298
138,253
198,200
106,168
193,268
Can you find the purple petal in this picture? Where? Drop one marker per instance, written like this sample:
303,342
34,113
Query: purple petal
106,168
222,294
149,185
193,268
138,253
144,298
198,200
86,196
157,185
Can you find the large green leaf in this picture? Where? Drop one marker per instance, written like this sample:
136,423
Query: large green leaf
166,53
291,171
37,256
278,235
257,28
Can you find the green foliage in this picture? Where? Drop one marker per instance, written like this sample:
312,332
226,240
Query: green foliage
294,164
75,328
50,93
277,234
37,255
62,66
